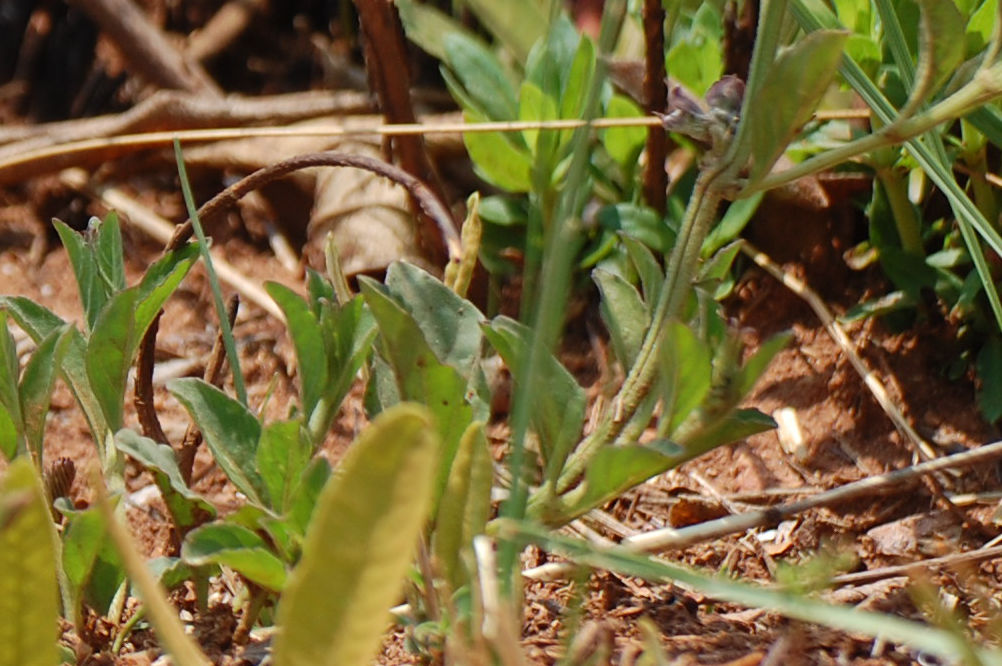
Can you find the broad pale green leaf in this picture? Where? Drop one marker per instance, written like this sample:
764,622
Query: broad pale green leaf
238,548
187,508
36,386
92,565
29,596
450,324
517,24
790,92
421,377
638,222
624,144
686,370
481,76
465,505
940,49
624,313
578,80
282,456
93,291
536,105
360,543
496,159
427,26
158,283
307,339
8,434
979,28
171,572
557,414
230,430
349,332
696,60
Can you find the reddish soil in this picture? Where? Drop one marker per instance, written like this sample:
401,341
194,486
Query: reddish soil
846,437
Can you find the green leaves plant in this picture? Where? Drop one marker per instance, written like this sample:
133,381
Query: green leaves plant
360,543
791,90
29,598
187,508
625,315
230,430
238,548
97,262
557,414
940,51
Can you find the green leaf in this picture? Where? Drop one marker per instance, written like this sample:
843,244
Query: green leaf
940,49
421,377
36,386
230,430
93,291
624,144
790,92
108,252
10,398
624,313
686,370
465,505
736,425
558,413
359,544
517,24
282,456
738,214
755,366
308,341
648,268
306,494
427,26
239,549
8,434
481,76
535,105
29,596
496,160
921,637
696,60
578,80
187,508
989,367
638,222
449,324
613,471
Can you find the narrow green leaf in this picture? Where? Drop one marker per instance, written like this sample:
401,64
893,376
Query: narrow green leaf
686,370
648,268
734,426
482,77
230,430
307,339
108,253
282,456
940,49
187,508
624,313
107,355
36,386
536,105
93,292
578,81
791,91
738,214
756,365
421,377
557,414
10,371
624,144
359,544
306,494
8,434
920,637
465,505
29,596
238,548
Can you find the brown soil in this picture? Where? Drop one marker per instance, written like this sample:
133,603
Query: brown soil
846,437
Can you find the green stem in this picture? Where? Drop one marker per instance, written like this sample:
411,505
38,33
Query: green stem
905,219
